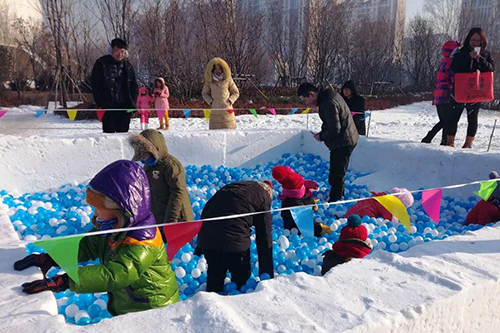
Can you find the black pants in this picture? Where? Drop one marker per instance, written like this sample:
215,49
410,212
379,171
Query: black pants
339,160
359,120
116,122
238,263
445,114
472,118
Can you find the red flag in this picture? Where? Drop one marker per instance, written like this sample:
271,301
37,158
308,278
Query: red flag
100,114
178,234
230,111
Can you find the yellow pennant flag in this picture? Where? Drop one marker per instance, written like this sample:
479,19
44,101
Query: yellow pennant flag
207,113
306,111
71,114
396,208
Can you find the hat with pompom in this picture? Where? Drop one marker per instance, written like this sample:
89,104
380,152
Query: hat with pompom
288,178
405,196
354,229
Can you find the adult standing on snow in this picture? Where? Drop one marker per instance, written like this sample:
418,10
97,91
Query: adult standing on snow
114,86
169,195
338,132
442,92
466,60
226,242
356,104
220,92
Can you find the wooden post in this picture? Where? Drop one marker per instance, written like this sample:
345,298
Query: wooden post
492,132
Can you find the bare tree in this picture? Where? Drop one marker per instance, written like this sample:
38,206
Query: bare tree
422,53
117,17
444,16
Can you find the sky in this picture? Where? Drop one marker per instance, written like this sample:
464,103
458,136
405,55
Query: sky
413,7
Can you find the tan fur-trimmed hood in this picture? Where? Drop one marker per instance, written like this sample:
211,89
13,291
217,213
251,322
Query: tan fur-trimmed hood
225,68
148,142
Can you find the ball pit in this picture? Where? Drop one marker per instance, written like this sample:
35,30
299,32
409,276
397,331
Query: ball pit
63,211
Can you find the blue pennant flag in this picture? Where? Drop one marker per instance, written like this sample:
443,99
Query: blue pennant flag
303,218
39,113
293,111
187,113
367,115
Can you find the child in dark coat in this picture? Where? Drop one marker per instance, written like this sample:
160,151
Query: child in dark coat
296,192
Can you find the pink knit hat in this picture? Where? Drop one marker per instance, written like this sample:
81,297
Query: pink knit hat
406,197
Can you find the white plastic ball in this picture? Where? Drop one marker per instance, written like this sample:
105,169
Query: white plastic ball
30,238
393,238
62,301
196,273
81,314
71,310
180,272
284,242
186,257
202,266
394,247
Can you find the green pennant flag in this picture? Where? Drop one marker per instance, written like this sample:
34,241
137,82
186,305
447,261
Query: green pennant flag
65,254
252,111
130,110
486,189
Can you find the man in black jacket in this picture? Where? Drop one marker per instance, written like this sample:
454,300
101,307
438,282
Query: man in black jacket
226,242
114,86
338,132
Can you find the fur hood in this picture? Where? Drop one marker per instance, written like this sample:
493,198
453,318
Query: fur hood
148,142
210,66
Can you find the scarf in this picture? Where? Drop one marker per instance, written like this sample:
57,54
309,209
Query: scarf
218,77
306,190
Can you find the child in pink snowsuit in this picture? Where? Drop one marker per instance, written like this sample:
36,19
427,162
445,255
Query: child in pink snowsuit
144,102
161,94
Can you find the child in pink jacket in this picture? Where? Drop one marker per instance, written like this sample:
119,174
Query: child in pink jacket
144,104
161,94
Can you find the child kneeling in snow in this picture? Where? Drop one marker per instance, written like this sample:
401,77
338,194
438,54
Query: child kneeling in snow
485,212
134,267
372,208
353,242
296,192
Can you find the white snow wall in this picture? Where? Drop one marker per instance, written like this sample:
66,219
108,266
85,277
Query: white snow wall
30,164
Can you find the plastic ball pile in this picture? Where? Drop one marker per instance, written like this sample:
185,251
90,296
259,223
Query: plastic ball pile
63,211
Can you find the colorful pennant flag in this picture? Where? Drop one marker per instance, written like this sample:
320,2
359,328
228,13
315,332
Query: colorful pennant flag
65,253
2,113
178,234
306,111
252,111
130,110
293,111
100,114
207,113
486,189
273,111
431,202
71,114
396,208
187,113
303,218
39,113
230,111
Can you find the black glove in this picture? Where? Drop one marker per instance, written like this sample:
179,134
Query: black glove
57,284
44,261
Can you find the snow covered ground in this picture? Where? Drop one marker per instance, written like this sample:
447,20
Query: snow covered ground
443,286
406,123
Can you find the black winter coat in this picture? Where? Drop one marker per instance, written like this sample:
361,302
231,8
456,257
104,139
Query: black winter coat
338,129
288,220
463,63
114,84
233,235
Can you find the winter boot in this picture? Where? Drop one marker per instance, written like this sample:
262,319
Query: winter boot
428,138
468,142
444,139
451,141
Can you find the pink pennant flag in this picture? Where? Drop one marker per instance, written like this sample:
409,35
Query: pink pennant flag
2,113
273,111
100,114
178,234
431,202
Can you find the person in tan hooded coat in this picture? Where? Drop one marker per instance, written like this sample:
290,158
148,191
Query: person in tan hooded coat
169,195
220,92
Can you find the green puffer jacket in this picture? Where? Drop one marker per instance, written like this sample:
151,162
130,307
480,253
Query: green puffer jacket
169,195
136,274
